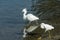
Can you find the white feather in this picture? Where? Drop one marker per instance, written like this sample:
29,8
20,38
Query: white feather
42,25
29,16
46,26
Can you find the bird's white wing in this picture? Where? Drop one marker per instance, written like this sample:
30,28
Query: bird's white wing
49,27
31,28
31,17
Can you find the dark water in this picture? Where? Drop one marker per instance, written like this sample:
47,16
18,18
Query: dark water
11,21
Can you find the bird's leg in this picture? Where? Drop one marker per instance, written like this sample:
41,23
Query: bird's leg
49,35
39,38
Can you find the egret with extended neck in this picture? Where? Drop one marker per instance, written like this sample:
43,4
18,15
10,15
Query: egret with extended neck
29,16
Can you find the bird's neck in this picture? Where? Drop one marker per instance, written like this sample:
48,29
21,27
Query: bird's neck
24,15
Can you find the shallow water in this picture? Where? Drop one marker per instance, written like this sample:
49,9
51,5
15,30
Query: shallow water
11,22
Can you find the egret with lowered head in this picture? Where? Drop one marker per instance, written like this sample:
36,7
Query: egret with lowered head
47,27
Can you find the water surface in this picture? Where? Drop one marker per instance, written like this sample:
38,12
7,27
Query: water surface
11,21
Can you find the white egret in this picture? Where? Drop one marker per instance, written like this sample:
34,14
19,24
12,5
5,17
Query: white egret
29,16
47,27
